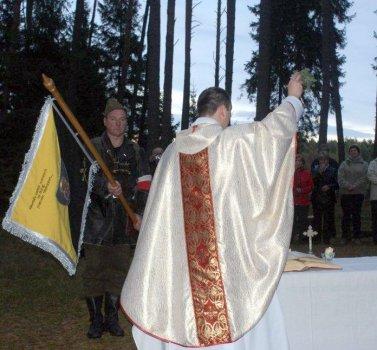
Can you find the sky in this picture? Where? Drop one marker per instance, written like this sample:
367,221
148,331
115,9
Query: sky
360,81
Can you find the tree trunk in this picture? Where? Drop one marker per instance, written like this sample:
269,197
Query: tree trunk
327,23
14,30
338,116
71,152
335,93
264,61
153,71
143,138
126,51
218,37
29,23
10,56
166,134
142,124
375,133
92,22
140,69
186,84
78,46
230,19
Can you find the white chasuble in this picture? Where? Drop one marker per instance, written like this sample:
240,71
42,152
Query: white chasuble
215,232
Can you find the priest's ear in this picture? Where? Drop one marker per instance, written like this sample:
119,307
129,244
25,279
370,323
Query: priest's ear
224,115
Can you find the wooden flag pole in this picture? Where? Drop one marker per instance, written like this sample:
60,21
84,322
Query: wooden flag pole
50,86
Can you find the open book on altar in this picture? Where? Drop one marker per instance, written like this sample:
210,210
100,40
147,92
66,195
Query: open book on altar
300,261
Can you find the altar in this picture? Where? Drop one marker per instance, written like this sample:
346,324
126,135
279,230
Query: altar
331,309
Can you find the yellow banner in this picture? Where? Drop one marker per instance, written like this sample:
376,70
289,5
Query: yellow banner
38,211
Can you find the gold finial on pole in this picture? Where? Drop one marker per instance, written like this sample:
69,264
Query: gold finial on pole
48,83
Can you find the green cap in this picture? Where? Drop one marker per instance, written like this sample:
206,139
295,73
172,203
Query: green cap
111,105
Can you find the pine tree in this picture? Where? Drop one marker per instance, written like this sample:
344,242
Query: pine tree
92,23
138,102
186,82
218,43
118,58
78,51
333,39
229,53
375,129
327,18
11,13
262,64
153,70
48,54
28,23
85,76
166,130
337,107
125,56
294,44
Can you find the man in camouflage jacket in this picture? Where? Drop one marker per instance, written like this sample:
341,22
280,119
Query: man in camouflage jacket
107,252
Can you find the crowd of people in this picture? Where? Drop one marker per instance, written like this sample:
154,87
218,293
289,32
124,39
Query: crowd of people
351,182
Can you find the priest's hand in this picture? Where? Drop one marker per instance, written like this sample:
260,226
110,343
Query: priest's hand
137,222
115,190
295,87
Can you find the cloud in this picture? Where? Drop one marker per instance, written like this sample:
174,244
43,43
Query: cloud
349,133
352,126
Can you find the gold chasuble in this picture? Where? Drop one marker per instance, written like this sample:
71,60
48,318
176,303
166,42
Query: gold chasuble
215,232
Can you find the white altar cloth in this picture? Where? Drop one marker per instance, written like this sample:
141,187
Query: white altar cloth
332,309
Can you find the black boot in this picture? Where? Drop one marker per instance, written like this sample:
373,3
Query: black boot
111,315
96,317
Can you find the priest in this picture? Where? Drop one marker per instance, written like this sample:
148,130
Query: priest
216,228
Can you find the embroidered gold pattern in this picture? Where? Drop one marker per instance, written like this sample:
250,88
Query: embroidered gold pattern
204,266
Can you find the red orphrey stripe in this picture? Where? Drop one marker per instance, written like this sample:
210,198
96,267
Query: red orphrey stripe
207,287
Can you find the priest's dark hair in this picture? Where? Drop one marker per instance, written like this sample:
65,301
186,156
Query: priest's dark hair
211,99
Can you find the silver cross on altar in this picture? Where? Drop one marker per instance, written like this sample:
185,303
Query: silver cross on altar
310,234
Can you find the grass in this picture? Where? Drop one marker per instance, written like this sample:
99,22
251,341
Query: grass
41,306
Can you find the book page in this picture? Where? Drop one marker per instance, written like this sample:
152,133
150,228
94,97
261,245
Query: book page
298,261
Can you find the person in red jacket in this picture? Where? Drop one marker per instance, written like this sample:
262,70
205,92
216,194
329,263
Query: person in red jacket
302,188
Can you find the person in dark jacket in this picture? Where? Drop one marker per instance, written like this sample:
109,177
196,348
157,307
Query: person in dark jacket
324,150
353,183
106,244
302,187
324,197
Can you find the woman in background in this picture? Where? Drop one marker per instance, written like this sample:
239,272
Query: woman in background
302,188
